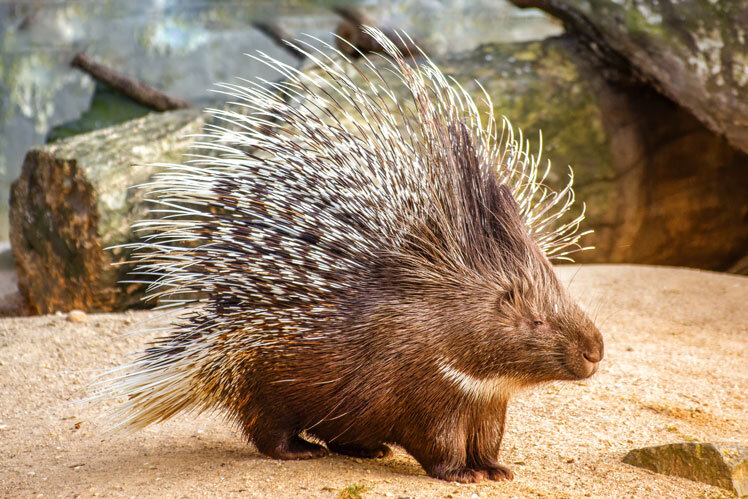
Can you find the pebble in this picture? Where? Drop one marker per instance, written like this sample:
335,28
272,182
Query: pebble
77,316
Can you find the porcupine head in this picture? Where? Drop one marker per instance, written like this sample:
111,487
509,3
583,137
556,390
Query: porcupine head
373,264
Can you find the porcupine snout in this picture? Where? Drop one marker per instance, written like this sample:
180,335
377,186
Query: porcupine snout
589,351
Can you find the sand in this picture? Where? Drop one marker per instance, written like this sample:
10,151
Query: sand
676,369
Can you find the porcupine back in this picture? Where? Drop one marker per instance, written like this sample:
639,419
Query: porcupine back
312,184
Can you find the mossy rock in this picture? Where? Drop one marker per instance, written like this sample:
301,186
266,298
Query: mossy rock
693,51
73,201
721,465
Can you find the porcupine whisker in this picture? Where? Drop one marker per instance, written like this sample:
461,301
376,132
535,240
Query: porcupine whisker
610,315
341,433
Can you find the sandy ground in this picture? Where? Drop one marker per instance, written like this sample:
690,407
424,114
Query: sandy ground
676,369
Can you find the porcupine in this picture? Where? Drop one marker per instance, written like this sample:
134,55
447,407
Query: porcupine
373,276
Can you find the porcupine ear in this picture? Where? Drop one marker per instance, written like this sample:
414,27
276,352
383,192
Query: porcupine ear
507,297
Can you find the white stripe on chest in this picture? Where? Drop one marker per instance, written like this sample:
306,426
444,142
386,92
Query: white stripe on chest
481,389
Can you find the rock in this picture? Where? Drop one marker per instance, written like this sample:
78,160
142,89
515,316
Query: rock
692,51
108,108
73,200
77,316
740,267
721,465
659,187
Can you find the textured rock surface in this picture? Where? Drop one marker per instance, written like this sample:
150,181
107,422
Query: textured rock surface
693,51
660,188
725,466
72,201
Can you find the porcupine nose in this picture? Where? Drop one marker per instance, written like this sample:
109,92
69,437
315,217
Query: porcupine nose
591,358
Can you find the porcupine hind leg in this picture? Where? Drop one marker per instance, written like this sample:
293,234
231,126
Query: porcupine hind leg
485,441
362,451
281,441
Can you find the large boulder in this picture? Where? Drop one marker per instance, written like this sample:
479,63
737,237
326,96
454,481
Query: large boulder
73,202
659,186
693,51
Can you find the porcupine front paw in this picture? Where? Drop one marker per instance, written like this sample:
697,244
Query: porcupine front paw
473,475
497,472
360,451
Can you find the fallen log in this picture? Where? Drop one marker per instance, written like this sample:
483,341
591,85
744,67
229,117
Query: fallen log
136,90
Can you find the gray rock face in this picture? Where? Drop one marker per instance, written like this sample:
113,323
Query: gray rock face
725,466
693,51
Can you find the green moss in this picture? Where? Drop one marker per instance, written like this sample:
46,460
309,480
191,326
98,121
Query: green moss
108,107
636,22
354,491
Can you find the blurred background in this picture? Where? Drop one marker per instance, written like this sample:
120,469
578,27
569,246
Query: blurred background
647,103
183,47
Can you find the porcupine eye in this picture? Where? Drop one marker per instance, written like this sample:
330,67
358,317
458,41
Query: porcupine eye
538,323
